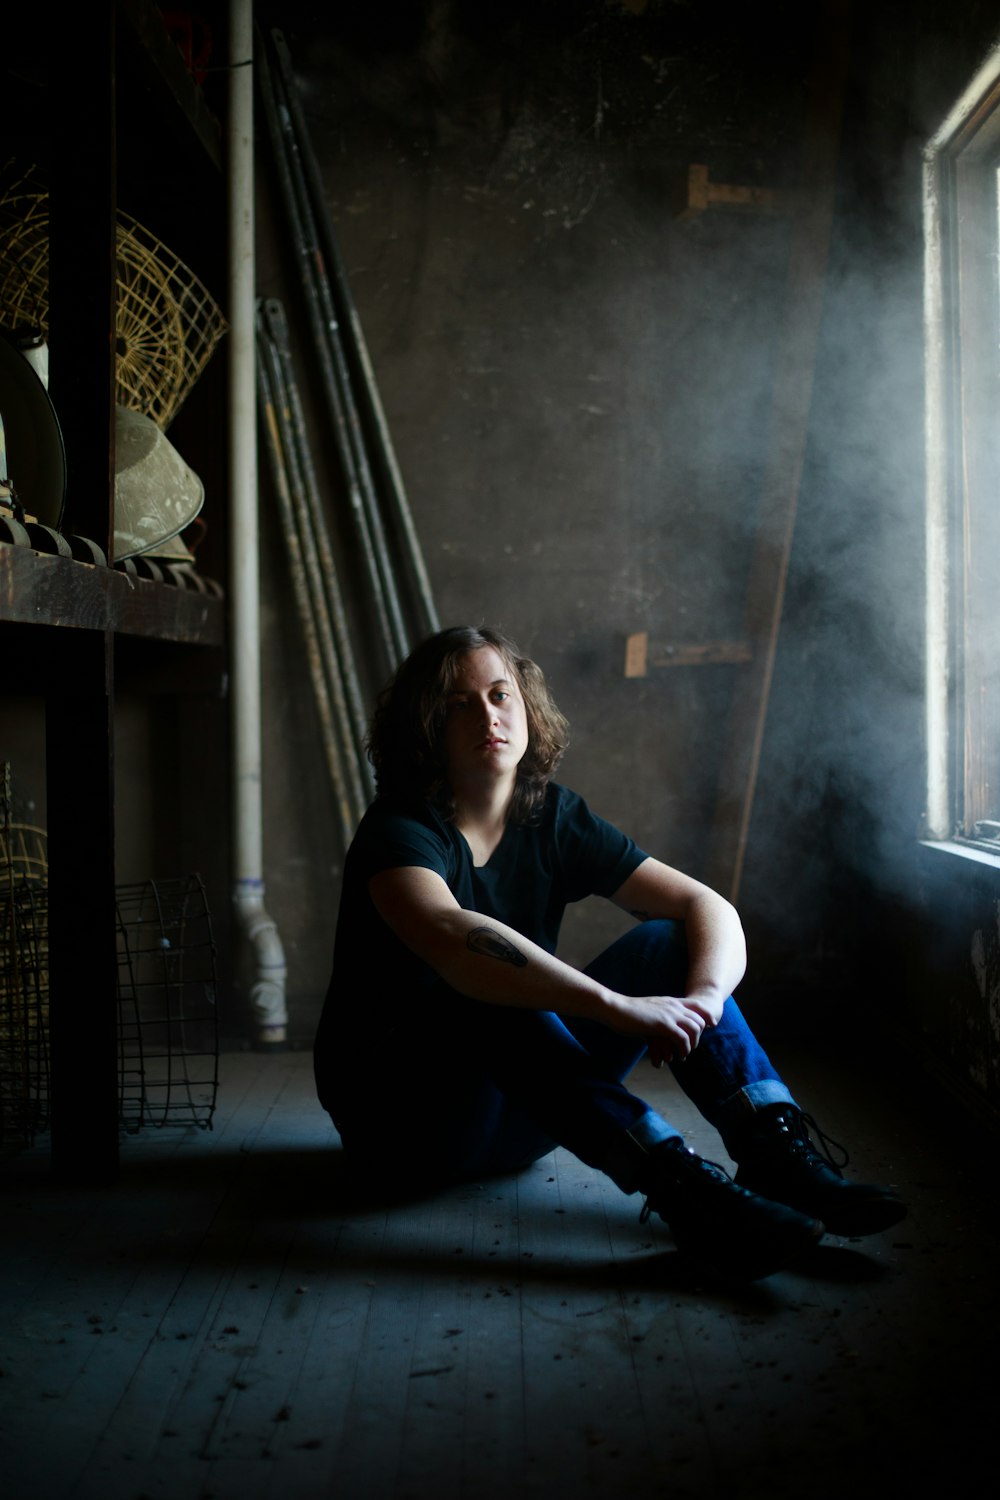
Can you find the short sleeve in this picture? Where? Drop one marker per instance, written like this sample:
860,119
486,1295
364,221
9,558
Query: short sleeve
594,856
391,838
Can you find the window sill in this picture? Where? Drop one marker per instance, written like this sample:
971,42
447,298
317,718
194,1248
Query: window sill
974,853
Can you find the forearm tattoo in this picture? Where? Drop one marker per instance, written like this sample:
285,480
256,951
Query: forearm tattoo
493,945
641,916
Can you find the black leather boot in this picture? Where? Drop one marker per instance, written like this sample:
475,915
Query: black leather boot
728,1231
778,1158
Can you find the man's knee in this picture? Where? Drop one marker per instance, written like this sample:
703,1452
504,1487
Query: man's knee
650,959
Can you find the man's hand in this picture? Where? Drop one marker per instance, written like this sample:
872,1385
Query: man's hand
672,1027
708,1003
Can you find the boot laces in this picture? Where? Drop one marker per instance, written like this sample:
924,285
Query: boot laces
694,1163
799,1127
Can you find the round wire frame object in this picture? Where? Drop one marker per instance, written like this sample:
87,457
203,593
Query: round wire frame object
24,251
167,324
149,330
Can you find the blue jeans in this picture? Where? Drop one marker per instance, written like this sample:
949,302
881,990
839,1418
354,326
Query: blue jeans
472,1089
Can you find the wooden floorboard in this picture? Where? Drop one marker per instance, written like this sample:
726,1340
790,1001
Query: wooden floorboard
232,1321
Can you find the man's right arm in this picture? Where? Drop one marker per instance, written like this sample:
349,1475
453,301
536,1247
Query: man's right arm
488,961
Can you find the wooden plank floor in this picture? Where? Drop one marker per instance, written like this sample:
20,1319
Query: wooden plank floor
230,1323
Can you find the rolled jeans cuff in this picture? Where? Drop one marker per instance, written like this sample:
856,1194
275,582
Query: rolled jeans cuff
737,1112
625,1160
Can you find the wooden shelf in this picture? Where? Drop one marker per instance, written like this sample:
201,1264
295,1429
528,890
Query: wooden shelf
143,138
39,589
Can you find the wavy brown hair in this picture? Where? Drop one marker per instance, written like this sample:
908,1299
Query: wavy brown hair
406,740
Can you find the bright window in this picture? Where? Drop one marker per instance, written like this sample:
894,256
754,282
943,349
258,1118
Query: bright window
962,311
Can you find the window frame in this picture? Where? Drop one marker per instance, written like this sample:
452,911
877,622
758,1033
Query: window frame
962,373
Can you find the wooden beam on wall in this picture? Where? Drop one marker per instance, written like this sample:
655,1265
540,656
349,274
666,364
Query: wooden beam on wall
704,194
640,655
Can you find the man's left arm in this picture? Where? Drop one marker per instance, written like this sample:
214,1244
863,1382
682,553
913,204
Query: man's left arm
717,954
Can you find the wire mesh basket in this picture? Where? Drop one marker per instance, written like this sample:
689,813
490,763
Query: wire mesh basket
167,324
24,977
168,1030
167,1016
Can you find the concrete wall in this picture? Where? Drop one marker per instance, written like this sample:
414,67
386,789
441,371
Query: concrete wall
577,380
578,383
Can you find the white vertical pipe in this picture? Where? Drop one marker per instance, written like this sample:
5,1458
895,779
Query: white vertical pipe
256,929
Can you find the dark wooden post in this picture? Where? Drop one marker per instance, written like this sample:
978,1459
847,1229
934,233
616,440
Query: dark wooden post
79,693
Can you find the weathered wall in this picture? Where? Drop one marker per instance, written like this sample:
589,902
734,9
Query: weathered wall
576,379
577,382
895,940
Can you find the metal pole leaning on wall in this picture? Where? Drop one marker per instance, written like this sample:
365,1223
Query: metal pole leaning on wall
330,387
330,331
304,574
323,326
372,414
353,713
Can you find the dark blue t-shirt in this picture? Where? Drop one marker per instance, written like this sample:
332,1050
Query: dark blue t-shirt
531,877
